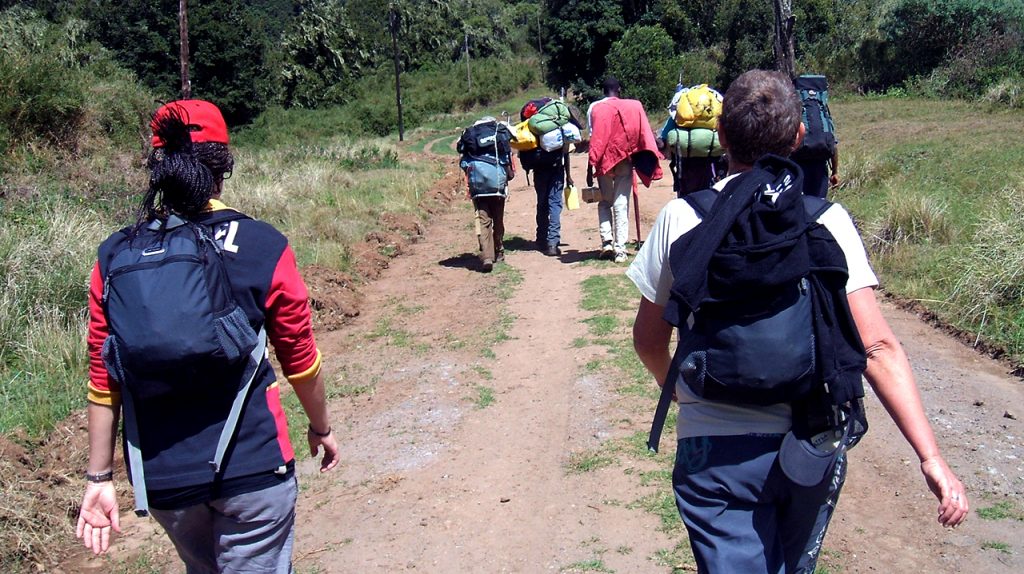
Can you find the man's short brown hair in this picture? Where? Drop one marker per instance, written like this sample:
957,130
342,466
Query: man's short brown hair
760,115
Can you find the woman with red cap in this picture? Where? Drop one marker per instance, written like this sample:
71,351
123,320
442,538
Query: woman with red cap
209,457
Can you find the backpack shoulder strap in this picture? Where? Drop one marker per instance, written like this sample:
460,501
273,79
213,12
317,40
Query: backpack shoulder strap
815,207
701,201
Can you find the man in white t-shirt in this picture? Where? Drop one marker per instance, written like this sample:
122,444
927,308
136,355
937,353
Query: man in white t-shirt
743,513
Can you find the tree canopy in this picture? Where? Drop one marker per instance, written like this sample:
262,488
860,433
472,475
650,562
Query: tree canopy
251,54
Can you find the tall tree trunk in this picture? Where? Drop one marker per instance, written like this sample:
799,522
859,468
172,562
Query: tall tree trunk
394,21
784,22
186,83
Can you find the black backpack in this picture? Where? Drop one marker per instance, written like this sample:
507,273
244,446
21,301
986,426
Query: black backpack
488,139
172,317
174,328
539,158
759,299
819,138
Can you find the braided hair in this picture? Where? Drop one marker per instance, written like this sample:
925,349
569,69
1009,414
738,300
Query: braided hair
178,182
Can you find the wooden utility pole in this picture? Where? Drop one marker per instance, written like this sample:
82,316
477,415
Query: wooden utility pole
394,21
186,83
783,47
540,47
469,78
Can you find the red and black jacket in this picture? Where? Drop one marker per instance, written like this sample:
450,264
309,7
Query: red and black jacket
179,433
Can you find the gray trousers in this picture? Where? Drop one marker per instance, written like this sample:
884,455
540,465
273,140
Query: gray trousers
248,533
742,513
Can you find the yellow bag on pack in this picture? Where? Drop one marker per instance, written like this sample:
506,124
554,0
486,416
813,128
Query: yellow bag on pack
572,197
522,138
699,107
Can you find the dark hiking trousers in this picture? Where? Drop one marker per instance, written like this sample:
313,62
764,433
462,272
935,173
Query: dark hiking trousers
690,174
742,513
815,177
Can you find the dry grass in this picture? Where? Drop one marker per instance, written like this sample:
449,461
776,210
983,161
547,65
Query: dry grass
992,265
909,219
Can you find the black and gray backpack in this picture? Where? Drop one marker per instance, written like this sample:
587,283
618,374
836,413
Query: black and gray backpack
760,303
174,327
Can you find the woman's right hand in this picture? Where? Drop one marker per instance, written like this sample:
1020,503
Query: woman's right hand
98,515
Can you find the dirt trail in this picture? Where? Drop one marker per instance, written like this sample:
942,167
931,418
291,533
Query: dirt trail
460,399
433,483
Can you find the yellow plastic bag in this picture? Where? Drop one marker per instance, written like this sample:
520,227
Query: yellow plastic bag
522,138
699,107
572,197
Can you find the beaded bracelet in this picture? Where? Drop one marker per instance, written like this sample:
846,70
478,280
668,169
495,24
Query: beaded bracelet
100,477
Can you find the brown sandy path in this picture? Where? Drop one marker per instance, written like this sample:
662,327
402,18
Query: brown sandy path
434,483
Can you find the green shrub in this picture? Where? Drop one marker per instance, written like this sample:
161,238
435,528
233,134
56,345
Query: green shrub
1009,93
916,37
52,84
41,95
701,67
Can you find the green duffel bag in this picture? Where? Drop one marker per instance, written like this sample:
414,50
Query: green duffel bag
551,117
694,142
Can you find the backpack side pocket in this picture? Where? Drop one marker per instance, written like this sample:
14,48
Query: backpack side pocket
111,354
237,337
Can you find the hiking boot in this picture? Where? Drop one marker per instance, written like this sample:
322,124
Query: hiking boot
552,251
487,266
607,251
621,257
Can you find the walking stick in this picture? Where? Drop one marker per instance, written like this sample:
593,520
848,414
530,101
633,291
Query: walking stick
636,211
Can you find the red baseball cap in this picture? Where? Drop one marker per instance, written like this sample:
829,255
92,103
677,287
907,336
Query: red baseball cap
204,120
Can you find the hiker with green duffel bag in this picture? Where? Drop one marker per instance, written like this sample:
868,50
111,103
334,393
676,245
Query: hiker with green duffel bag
690,139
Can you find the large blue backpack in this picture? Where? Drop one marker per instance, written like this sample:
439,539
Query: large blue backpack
174,328
485,152
819,139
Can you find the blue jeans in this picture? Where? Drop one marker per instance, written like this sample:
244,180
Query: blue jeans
251,532
742,513
549,182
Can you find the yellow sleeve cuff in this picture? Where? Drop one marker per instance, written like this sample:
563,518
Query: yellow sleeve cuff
109,398
307,375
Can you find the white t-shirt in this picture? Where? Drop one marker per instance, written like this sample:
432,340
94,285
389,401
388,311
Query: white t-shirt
590,110
652,274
